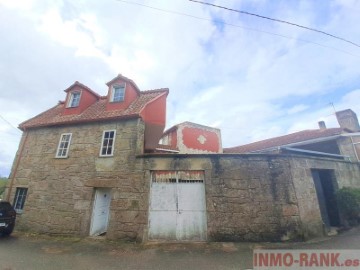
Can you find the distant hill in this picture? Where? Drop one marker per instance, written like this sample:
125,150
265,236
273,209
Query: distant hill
3,182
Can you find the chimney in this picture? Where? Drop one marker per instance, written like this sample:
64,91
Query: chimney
348,119
322,125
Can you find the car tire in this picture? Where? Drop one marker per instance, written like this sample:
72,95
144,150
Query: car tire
8,230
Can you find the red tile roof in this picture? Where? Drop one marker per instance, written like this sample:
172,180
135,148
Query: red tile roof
95,112
296,137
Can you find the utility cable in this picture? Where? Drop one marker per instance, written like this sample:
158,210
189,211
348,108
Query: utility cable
277,20
7,122
238,26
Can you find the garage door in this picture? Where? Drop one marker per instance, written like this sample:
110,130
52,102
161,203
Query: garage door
177,206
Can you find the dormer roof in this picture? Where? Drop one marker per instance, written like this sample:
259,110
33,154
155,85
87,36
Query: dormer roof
121,77
76,83
95,112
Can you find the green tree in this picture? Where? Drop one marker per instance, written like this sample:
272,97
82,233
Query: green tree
349,204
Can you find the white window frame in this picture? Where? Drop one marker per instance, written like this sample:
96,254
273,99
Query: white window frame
62,148
118,86
71,99
19,199
107,144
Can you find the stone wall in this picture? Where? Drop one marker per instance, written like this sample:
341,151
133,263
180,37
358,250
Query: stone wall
248,198
346,174
347,148
259,197
61,190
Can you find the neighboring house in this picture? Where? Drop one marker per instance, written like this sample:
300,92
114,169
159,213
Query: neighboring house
343,141
191,138
93,165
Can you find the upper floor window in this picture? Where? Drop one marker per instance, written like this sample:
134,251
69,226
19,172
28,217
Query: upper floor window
107,144
74,99
19,200
118,93
63,148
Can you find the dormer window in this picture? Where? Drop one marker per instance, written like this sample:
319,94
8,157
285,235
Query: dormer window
118,93
74,99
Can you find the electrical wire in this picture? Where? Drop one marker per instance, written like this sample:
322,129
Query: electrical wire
238,26
277,20
7,122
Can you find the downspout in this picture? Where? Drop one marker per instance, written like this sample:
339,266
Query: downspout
353,144
12,179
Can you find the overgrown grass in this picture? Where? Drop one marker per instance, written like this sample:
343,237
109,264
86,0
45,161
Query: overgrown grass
349,204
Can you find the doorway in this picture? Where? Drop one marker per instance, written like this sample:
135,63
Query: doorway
326,187
177,206
100,214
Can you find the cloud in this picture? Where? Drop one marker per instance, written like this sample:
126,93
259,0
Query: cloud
251,84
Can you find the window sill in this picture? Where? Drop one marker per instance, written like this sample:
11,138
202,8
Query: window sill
62,157
117,101
107,156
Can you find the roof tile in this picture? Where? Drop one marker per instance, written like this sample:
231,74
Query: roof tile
296,137
95,112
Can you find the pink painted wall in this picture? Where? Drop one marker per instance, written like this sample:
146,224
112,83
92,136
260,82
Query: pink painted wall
192,139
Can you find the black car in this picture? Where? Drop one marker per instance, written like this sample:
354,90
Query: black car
7,218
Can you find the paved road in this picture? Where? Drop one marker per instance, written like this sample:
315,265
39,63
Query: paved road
21,251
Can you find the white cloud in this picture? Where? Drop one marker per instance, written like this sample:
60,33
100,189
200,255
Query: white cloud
250,84
297,109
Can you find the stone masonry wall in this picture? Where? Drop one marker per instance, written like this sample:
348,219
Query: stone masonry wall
346,174
260,197
248,198
347,148
61,190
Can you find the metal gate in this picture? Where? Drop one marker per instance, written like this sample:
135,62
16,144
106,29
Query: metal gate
177,206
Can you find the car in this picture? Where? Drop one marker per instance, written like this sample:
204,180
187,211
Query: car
7,218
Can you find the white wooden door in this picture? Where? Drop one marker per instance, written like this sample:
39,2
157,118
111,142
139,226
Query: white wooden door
100,215
177,206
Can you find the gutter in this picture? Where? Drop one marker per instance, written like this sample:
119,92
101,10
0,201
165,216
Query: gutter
296,150
167,150
299,143
351,134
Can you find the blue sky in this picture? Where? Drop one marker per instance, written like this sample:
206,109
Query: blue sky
251,84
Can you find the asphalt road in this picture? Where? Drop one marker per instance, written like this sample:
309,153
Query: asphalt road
22,251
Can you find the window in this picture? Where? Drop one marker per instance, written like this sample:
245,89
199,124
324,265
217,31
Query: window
63,148
107,145
118,93
74,99
19,200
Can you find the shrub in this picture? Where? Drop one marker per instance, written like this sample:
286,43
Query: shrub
349,204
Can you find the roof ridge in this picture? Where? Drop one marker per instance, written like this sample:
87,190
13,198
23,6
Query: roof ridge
83,86
154,90
278,140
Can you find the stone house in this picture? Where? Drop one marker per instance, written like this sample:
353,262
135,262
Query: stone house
343,141
93,165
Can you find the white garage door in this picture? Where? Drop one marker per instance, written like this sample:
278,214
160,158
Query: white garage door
177,206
